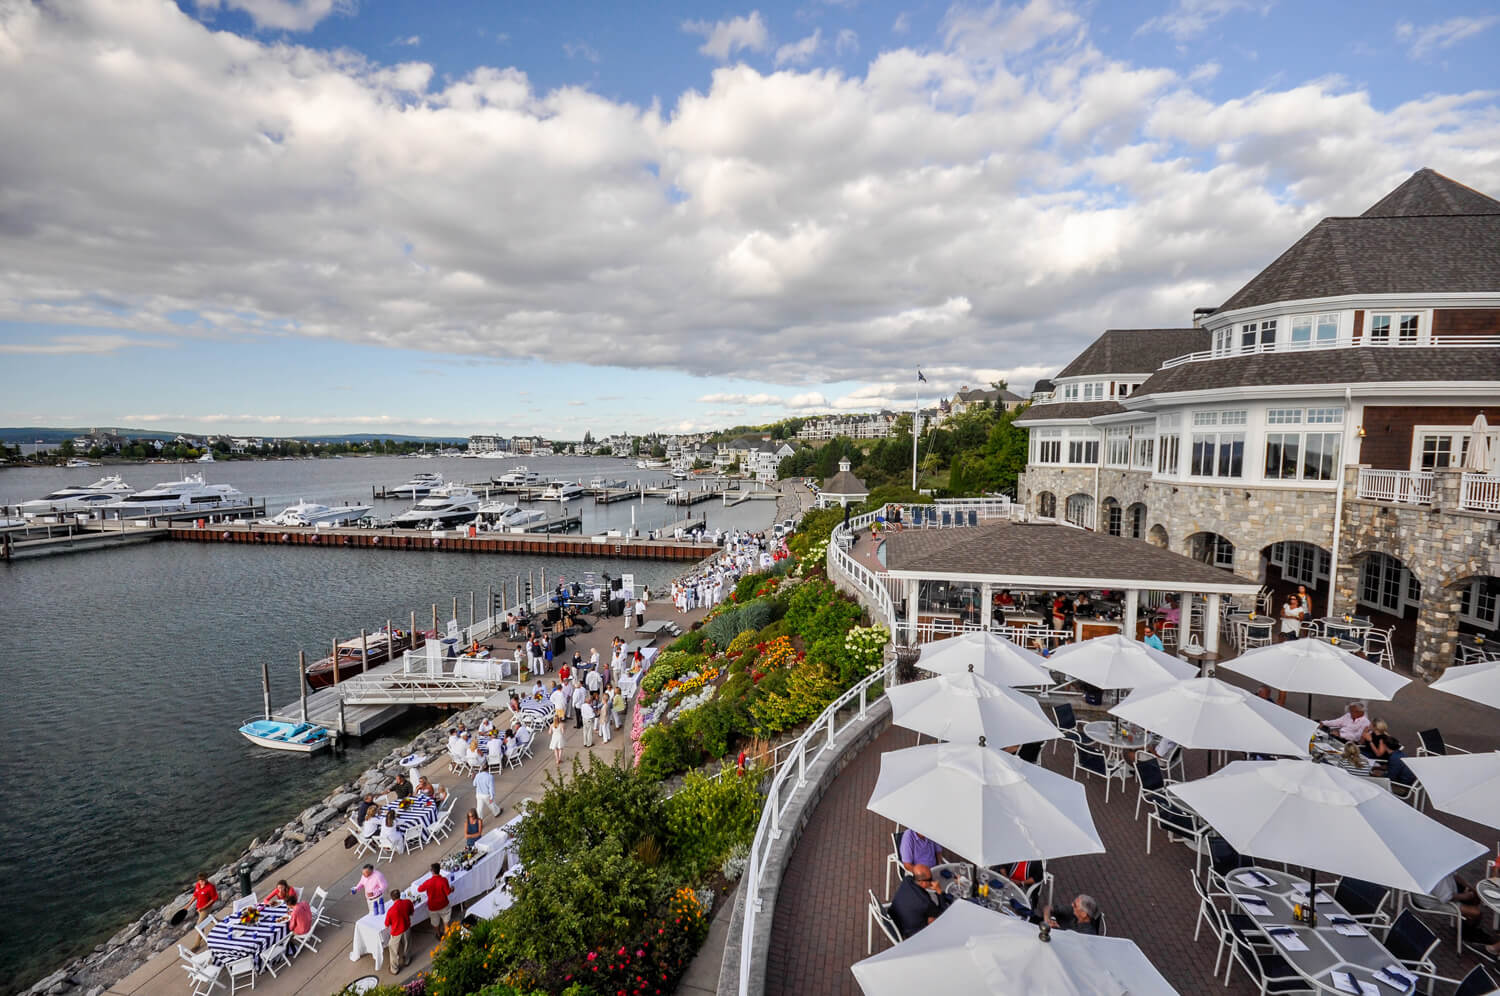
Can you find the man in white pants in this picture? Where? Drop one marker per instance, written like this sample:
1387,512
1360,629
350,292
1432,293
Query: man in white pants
586,710
484,794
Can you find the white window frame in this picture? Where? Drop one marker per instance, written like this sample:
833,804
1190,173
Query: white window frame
1481,604
1314,328
1117,448
1078,509
1093,390
1458,440
1258,337
1394,320
1380,576
1046,446
1144,457
1081,449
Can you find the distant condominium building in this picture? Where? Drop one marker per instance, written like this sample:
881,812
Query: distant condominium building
1317,428
823,427
489,444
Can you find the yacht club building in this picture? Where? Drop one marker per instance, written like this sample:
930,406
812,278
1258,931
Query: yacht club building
1317,428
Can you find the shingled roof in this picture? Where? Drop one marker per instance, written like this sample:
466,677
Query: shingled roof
1049,551
1134,351
1368,365
1429,235
1069,409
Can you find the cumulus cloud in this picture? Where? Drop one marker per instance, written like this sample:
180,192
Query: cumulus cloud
1424,40
721,39
955,206
847,42
798,53
284,15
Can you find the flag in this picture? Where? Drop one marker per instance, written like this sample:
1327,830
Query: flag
920,377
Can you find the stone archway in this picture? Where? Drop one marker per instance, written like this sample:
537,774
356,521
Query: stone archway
1111,517
1079,509
1420,619
1046,505
1157,536
1135,520
1211,548
1286,565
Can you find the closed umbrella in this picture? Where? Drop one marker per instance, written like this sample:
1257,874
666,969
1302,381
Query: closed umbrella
1478,457
965,707
1466,785
1209,714
1475,682
1116,661
970,949
1327,819
1317,668
985,804
987,655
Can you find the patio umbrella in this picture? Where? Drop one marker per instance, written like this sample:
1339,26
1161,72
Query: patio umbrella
1209,714
1475,682
985,804
1317,668
1466,785
1115,661
1478,456
987,655
965,707
970,949
1326,819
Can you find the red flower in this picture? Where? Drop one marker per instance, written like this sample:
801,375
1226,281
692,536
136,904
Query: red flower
591,956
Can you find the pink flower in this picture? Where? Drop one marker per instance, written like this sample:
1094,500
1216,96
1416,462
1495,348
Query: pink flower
591,956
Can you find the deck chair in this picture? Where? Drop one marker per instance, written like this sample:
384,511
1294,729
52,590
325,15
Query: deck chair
204,926
973,517
1476,983
1412,942
1377,647
879,914
244,903
413,838
1093,762
1431,742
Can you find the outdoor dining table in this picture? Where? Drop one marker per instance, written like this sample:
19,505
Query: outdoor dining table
1352,628
1337,943
1489,894
413,765
418,812
955,878
1116,739
1477,649
230,940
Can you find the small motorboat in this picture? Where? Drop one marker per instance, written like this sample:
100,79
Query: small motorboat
301,737
356,655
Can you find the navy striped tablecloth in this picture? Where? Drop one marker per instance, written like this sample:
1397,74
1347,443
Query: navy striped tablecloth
420,813
231,940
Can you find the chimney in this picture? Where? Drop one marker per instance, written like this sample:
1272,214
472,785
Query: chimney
1199,314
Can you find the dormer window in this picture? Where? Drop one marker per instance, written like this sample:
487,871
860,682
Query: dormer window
1255,335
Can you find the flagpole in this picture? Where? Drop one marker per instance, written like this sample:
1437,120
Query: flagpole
916,408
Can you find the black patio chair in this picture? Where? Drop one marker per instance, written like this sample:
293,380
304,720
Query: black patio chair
1476,983
1031,752
1364,901
1411,942
1148,778
1431,742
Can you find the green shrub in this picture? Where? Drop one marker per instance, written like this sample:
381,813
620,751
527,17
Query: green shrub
708,728
666,750
690,642
723,628
669,664
745,640
744,589
708,817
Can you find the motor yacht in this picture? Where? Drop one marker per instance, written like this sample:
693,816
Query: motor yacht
310,513
608,483
77,462
518,478
207,457
420,485
563,491
450,505
501,515
190,494
79,498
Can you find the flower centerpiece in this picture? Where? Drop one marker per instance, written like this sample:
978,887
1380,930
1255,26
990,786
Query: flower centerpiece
404,804
249,916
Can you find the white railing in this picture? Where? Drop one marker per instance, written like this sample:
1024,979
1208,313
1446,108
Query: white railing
1404,487
1480,492
958,512
1286,346
1031,637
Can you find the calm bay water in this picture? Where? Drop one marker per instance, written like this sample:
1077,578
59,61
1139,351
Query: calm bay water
127,672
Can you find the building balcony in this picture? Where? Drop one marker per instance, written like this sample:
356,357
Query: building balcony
1469,491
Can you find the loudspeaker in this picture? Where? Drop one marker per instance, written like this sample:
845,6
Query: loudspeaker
614,584
553,615
559,644
617,606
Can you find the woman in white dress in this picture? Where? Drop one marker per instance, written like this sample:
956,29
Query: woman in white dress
1292,615
557,738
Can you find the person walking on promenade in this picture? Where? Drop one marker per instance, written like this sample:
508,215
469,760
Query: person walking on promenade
484,793
557,738
373,885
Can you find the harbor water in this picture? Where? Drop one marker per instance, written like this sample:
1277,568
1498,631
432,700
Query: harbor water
128,671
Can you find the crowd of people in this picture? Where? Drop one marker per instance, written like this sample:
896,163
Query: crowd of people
744,553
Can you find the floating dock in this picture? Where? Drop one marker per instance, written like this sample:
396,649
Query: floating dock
451,541
23,544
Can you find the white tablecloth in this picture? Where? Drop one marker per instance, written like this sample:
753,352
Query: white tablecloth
474,882
493,669
370,935
500,898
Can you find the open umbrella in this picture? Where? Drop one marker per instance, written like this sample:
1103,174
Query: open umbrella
985,804
1477,456
965,707
987,655
1116,661
1475,682
1317,668
1466,785
970,949
1326,819
1209,714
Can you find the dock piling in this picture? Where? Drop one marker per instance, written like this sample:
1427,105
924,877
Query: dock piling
335,661
302,682
412,636
471,615
265,686
341,718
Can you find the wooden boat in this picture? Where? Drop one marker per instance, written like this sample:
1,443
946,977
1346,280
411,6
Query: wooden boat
301,737
376,648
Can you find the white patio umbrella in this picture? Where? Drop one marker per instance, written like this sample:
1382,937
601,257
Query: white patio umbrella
1478,456
987,655
985,804
970,949
1326,819
1209,714
1318,668
1116,661
965,707
1475,682
1466,785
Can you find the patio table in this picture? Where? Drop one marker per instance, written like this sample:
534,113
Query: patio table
1476,650
419,812
1116,741
230,940
1489,894
955,879
1325,949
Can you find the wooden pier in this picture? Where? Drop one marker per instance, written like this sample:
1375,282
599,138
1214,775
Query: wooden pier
358,720
564,523
690,498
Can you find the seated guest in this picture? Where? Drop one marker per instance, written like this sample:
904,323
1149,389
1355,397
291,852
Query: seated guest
486,727
365,805
1453,889
1378,742
283,893
918,854
1083,917
301,920
369,829
401,788
1023,873
429,790
1351,726
1151,639
390,834
497,750
456,745
515,702
917,902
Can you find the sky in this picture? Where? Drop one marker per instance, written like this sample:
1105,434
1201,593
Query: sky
318,216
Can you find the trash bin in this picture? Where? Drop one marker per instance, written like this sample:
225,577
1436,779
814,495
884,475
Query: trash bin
244,878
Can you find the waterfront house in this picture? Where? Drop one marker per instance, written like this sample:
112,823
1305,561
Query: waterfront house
1000,399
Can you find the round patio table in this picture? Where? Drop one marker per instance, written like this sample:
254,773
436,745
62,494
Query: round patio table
1116,740
955,880
1489,894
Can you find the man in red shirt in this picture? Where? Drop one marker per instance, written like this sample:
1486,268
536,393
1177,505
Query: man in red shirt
398,924
437,890
204,894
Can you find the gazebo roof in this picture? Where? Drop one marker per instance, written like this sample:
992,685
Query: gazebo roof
844,483
1054,556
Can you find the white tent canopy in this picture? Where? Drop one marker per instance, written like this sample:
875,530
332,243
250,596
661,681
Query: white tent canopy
1115,661
1319,668
984,804
987,655
1475,682
1322,817
972,950
1466,785
1209,714
964,707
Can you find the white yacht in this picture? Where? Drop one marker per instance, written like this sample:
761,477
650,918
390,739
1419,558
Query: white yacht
503,515
187,495
563,491
493,455
640,465
207,457
452,505
519,478
310,513
77,462
419,486
80,497
608,483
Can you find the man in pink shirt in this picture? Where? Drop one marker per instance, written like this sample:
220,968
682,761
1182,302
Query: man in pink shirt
372,884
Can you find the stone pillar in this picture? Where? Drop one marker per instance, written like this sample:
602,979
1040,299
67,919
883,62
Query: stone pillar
911,612
1211,624
1447,483
1132,610
1437,628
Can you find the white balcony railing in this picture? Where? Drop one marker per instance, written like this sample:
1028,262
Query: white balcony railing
1284,346
1480,492
1402,487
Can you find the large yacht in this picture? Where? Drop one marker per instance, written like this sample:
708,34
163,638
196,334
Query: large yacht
500,515
563,491
519,478
608,483
452,505
420,485
79,497
187,495
309,513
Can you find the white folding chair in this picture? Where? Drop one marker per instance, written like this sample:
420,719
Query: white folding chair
276,953
307,941
513,756
205,977
204,926
387,851
318,904
413,838
239,970
879,915
244,903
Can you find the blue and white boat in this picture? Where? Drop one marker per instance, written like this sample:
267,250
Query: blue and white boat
302,737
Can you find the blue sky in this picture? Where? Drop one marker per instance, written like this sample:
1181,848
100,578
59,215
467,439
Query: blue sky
288,216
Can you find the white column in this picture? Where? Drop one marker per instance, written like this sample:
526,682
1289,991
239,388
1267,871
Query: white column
1211,625
911,612
1132,609
984,604
1185,625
